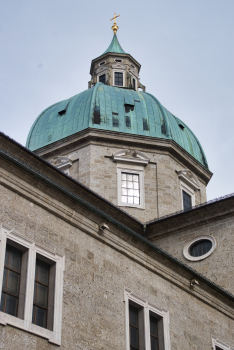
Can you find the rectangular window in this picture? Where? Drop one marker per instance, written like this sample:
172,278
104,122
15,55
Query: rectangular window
118,79
145,124
97,116
102,78
11,281
133,328
130,189
43,301
41,289
147,326
134,83
30,303
153,333
115,122
187,201
128,121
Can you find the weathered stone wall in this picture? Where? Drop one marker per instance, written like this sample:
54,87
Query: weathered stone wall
219,265
162,185
97,268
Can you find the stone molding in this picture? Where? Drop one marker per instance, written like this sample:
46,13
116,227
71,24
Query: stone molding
129,156
189,178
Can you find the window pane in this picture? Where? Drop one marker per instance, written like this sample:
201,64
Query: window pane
133,315
42,272
11,305
2,302
124,191
12,283
39,316
14,259
40,294
123,176
130,192
124,184
134,337
201,247
124,199
135,185
130,200
4,286
136,200
153,326
154,343
129,184
187,201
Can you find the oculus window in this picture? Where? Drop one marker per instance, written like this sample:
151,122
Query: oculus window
199,248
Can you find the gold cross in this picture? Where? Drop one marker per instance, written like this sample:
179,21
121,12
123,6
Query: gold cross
114,18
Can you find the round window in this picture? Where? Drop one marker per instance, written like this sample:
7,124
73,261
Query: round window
199,248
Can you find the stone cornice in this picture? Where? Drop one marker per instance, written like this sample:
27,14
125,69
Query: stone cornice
119,139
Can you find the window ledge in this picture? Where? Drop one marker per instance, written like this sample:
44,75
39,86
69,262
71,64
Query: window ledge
27,326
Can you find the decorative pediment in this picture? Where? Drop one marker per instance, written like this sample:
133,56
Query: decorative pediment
119,66
189,178
100,69
62,162
130,156
134,72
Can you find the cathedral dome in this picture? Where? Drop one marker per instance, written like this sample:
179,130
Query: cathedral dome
116,109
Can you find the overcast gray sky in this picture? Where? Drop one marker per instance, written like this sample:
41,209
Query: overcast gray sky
185,48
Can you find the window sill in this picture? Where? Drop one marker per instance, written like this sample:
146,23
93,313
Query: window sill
27,326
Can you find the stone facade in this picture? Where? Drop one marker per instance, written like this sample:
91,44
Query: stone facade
42,204
97,170
216,220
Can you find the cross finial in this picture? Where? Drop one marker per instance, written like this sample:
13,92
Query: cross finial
114,27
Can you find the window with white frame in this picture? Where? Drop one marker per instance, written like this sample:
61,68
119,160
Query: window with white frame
189,184
147,327
130,177
102,78
31,280
119,77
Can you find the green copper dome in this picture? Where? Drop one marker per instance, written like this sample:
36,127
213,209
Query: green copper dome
116,109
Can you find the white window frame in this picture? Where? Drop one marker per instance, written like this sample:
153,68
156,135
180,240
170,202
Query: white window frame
130,296
221,345
136,79
189,183
184,187
131,169
101,73
34,249
119,71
